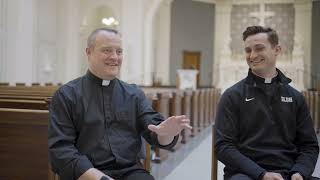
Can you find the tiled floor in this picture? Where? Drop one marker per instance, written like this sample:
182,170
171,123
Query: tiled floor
194,161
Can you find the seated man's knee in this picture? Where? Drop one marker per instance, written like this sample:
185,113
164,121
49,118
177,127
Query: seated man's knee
239,177
139,175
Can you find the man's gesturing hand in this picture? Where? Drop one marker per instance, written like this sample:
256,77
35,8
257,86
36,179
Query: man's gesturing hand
272,176
171,126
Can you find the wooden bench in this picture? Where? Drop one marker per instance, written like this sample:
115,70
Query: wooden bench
313,101
201,105
195,113
23,104
214,160
176,109
4,84
186,110
179,104
318,112
24,144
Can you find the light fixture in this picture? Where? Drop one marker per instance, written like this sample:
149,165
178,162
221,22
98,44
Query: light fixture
111,21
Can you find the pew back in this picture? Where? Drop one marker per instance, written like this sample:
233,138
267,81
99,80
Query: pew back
23,144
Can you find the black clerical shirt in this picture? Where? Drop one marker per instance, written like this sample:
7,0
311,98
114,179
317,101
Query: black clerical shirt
92,125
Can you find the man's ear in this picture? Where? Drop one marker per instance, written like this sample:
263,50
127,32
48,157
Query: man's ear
278,49
88,51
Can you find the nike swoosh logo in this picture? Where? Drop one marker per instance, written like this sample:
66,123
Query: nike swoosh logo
249,99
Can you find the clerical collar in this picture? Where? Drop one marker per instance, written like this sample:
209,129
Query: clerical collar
105,82
259,79
98,80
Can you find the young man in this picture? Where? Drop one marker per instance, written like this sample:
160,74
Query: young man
97,120
263,126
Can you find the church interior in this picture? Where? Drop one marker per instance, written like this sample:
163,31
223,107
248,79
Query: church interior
43,42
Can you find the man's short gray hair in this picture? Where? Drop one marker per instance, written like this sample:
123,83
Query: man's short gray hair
92,37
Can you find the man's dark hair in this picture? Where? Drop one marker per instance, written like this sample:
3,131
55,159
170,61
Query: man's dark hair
92,37
252,30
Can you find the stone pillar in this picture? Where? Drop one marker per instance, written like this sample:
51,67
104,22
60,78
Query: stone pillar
221,40
68,39
3,39
19,41
133,67
162,43
303,14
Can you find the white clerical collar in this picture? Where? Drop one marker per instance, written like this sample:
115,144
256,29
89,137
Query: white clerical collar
267,80
105,82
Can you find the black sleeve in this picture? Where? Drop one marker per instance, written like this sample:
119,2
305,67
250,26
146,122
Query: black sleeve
64,156
146,115
306,142
226,133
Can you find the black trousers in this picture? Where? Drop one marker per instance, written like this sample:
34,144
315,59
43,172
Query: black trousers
138,174
240,176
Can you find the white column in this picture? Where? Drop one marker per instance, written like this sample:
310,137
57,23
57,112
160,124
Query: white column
20,41
46,42
69,62
303,14
133,68
3,39
162,35
222,37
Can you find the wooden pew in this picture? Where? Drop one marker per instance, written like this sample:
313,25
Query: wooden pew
27,93
207,107
176,109
4,84
214,160
216,93
35,84
20,84
195,113
212,104
48,84
24,144
23,97
38,90
186,110
161,106
23,104
313,102
201,109
317,111
152,97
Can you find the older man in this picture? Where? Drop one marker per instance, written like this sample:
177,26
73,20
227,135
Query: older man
97,120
